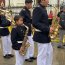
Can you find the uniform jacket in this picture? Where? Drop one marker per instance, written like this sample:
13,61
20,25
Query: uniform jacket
4,23
27,18
40,22
59,13
62,20
17,34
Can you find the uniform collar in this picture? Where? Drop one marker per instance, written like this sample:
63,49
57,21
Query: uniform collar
42,6
61,11
26,8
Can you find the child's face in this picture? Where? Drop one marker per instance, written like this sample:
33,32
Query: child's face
20,21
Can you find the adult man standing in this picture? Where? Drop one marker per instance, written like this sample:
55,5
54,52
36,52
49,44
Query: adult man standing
25,12
41,35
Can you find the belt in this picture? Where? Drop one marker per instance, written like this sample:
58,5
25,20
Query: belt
37,30
62,20
3,27
19,41
49,18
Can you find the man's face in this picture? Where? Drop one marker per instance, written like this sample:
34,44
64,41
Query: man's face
45,2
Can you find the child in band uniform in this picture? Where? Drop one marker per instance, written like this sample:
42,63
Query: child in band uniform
17,36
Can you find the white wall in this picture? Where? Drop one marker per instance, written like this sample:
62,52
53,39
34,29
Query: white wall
54,2
22,2
6,3
16,2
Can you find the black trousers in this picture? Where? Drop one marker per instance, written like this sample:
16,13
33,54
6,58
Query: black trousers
50,21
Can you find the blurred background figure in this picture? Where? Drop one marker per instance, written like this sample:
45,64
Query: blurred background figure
50,17
61,20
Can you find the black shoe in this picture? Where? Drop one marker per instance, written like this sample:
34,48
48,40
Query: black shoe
61,47
7,57
33,58
64,45
11,55
29,60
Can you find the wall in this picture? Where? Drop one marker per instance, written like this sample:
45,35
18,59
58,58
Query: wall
16,2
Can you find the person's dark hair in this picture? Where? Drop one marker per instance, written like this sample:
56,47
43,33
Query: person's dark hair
17,17
28,1
38,1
